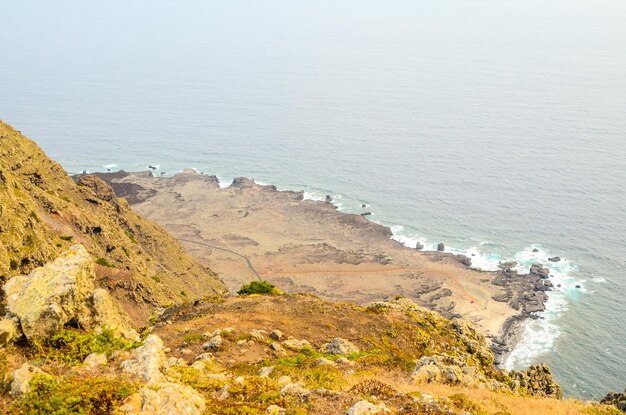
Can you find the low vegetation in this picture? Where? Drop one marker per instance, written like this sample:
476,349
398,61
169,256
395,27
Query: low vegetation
72,346
103,262
73,395
258,287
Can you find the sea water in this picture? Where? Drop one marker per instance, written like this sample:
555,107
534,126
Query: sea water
496,127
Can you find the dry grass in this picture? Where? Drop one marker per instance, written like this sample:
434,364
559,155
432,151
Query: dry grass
494,402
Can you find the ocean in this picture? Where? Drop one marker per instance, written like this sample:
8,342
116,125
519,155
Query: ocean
496,127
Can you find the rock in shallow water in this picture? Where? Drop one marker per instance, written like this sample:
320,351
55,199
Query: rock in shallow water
539,271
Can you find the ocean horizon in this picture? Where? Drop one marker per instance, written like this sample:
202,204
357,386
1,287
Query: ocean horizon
495,128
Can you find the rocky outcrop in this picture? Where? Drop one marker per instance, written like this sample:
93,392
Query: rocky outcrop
340,346
53,295
165,399
297,345
20,379
62,292
539,271
616,399
159,396
107,314
214,343
473,340
400,304
452,371
367,408
455,370
148,360
9,331
441,247
537,381
465,260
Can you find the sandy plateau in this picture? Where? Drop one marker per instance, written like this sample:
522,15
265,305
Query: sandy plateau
248,231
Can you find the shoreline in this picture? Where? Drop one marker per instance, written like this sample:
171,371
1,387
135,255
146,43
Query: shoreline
523,294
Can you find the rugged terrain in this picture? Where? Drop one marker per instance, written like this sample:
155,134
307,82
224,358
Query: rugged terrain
104,313
43,212
248,231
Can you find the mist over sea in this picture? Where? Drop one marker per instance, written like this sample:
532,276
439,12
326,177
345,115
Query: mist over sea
497,127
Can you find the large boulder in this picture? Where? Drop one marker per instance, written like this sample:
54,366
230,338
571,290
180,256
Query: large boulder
165,398
62,292
106,314
53,295
159,396
340,346
148,360
20,379
539,271
297,345
367,408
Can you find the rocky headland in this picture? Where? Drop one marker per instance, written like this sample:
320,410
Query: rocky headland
250,231
103,312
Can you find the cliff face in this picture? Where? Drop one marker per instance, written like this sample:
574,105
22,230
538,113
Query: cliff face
43,212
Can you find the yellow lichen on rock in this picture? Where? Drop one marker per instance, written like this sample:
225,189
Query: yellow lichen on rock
62,292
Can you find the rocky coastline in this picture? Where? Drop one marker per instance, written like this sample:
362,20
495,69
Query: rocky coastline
333,246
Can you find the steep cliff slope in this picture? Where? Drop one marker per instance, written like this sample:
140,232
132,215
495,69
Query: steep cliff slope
43,212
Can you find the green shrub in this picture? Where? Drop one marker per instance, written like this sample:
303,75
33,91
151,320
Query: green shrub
258,287
192,338
66,237
131,237
77,395
104,263
72,346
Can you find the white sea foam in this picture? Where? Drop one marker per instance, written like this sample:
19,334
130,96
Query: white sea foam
480,260
109,166
313,196
409,241
539,336
223,183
